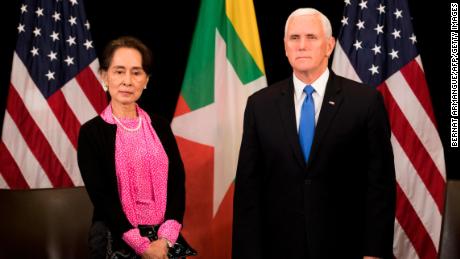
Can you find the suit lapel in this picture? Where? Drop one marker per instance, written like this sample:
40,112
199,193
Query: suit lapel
331,104
287,112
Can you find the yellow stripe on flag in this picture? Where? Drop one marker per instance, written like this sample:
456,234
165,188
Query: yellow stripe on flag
243,18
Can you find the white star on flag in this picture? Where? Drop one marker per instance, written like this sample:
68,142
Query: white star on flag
23,8
72,20
360,24
396,34
55,36
34,51
363,4
56,16
39,12
398,13
374,69
52,55
379,29
37,32
393,54
50,75
88,44
376,49
69,60
71,41
357,44
21,28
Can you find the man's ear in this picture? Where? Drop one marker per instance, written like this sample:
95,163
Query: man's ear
330,45
285,47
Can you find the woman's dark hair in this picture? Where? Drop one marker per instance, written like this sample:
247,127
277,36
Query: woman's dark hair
126,42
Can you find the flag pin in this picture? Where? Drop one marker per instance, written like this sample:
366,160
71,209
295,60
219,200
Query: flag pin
332,103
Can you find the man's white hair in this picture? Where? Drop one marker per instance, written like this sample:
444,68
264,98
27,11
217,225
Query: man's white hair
311,11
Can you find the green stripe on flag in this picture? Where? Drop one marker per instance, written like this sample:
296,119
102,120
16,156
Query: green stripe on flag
198,85
239,56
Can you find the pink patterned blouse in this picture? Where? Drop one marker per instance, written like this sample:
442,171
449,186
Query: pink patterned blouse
141,166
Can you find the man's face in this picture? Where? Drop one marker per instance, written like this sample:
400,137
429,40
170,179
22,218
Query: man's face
306,45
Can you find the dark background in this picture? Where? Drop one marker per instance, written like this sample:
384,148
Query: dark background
167,28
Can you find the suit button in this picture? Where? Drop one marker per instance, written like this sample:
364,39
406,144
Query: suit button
307,181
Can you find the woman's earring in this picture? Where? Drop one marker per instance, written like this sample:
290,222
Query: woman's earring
104,86
145,87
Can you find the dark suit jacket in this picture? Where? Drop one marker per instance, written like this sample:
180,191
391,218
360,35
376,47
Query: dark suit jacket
96,159
341,204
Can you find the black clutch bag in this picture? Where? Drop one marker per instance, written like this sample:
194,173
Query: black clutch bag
178,250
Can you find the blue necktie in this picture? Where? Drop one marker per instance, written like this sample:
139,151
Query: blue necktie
307,122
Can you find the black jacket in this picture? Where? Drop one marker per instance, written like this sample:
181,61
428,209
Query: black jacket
341,204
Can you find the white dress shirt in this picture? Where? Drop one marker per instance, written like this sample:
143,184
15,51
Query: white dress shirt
318,95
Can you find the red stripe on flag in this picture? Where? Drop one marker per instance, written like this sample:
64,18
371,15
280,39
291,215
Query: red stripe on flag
65,116
415,77
181,107
10,170
414,228
92,89
36,141
199,181
222,226
414,149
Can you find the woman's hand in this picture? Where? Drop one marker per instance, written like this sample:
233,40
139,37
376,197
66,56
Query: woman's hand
158,249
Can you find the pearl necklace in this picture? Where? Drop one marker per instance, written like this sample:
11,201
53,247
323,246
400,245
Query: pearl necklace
126,128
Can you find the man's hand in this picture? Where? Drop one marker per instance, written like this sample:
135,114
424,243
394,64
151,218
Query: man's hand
158,249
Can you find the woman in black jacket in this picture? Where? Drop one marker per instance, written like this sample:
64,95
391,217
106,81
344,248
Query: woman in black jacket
130,163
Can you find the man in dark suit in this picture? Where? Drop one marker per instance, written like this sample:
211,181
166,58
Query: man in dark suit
315,175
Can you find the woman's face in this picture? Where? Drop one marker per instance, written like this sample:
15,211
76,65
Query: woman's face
125,77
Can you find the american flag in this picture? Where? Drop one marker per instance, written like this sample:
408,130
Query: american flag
377,46
53,90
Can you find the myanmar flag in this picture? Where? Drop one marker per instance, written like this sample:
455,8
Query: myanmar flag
225,66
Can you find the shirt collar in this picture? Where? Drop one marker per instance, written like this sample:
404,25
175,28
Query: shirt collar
319,84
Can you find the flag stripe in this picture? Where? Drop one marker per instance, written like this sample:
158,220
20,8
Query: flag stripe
36,141
65,116
418,195
181,107
3,184
7,164
78,101
92,89
414,149
404,248
31,170
413,227
94,66
199,164
415,78
198,85
418,59
342,65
